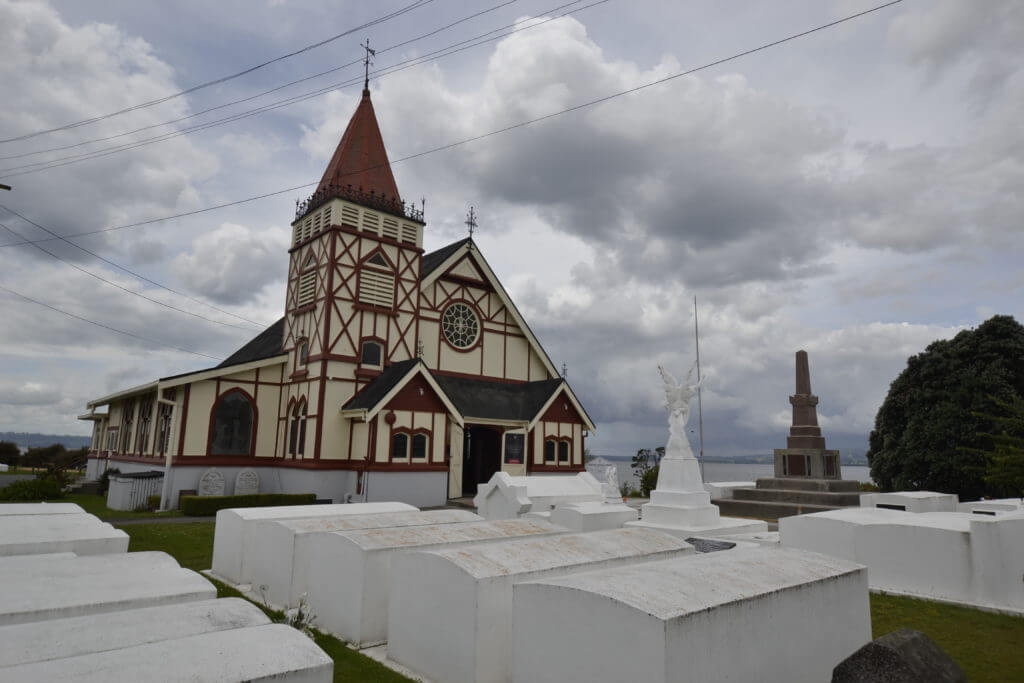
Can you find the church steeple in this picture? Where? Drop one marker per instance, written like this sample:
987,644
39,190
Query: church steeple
360,161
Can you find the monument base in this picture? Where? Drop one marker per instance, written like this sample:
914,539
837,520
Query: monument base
812,463
688,513
723,526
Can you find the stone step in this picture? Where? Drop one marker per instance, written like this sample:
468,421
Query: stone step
799,484
768,511
795,496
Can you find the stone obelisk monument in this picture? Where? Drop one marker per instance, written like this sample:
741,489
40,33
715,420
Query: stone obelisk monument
805,454
679,504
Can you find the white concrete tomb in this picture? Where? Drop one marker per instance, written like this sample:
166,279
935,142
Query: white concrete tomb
911,501
43,587
60,638
592,516
471,586
723,489
38,534
235,528
508,497
40,509
751,615
273,652
277,566
350,571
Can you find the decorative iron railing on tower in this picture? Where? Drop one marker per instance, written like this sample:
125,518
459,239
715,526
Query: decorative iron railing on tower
371,199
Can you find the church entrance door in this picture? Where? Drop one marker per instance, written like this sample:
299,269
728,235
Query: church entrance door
481,457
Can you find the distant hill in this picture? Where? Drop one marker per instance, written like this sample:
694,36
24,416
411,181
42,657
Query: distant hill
33,440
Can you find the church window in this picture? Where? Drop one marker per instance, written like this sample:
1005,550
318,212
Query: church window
126,425
297,429
399,446
371,353
419,447
460,325
563,452
163,428
549,451
233,422
302,353
377,282
145,421
112,440
307,289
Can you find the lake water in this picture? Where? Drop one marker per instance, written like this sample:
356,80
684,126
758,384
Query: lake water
730,471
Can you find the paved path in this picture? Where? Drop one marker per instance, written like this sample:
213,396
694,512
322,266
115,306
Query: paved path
159,520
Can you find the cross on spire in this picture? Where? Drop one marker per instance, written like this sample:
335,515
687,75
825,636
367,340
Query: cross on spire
367,61
471,221
565,371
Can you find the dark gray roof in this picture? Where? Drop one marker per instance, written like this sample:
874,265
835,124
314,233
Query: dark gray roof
498,400
434,259
264,345
373,392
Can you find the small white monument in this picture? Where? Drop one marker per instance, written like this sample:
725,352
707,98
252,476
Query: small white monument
679,504
607,473
247,482
211,483
508,497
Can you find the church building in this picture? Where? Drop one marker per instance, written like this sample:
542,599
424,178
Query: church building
394,374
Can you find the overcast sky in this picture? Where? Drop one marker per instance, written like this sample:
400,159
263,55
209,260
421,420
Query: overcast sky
855,193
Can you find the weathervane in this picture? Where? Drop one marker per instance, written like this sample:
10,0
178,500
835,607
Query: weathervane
366,64
471,221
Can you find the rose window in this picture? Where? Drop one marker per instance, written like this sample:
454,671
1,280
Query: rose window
460,326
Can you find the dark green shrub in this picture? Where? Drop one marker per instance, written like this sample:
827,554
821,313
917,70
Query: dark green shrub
204,506
104,480
32,489
153,502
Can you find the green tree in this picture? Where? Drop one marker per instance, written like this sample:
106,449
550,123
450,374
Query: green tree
9,453
1005,466
645,468
928,431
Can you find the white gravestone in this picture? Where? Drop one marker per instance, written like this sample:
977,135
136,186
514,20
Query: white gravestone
679,504
39,534
751,614
592,516
911,501
235,529
350,571
277,566
39,587
607,473
273,652
247,482
40,509
508,497
211,483
472,587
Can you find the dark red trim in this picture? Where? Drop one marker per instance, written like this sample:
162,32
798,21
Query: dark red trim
566,468
359,233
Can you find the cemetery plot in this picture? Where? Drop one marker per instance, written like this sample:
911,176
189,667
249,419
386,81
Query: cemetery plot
78,533
508,497
272,652
234,530
753,614
471,586
40,509
350,571
39,587
277,566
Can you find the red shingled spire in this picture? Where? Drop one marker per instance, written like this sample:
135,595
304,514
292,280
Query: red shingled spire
360,159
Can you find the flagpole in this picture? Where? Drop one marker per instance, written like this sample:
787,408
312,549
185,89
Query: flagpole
700,407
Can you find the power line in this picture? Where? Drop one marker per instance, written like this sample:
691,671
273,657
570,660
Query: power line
106,327
454,48
128,270
498,131
114,284
267,92
223,79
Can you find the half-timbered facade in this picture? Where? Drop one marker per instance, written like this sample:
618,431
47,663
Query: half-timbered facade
394,374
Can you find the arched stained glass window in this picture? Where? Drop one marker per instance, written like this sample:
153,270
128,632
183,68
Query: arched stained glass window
399,446
232,425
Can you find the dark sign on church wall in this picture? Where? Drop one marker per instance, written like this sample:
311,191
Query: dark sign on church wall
514,448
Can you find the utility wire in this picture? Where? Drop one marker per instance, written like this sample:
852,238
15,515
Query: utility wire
129,271
223,79
114,284
106,327
37,166
498,131
380,51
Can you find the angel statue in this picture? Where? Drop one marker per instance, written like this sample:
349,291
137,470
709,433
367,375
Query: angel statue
677,400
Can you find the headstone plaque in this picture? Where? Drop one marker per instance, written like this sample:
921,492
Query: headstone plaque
211,483
247,482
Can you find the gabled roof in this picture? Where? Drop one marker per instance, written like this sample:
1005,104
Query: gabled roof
360,159
264,345
381,385
434,259
498,400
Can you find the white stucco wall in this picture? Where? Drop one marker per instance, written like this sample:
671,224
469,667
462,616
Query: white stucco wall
752,615
472,587
277,565
73,533
350,571
233,530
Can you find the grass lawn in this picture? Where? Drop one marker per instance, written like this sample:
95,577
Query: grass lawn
988,647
